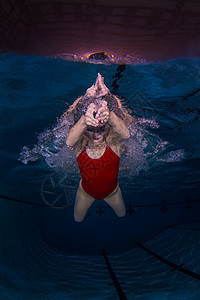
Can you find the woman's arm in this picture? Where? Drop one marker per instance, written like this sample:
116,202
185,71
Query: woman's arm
76,132
118,126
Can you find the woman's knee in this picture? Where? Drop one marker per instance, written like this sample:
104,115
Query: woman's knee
78,219
119,208
121,213
80,212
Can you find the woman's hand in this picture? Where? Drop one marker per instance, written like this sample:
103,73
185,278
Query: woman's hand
103,113
90,116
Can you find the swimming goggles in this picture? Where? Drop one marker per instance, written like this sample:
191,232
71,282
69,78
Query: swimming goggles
96,129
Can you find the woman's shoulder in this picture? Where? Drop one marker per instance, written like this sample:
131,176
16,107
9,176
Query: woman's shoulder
77,152
80,146
114,143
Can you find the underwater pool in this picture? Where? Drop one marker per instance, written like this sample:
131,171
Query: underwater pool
44,253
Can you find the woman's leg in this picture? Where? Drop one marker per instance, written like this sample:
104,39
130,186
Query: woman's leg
82,204
116,201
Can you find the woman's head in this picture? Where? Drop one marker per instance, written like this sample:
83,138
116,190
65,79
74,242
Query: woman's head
97,134
97,93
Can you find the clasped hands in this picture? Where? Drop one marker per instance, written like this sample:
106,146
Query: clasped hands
95,116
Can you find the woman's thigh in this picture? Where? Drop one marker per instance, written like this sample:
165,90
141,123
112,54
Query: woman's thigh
82,204
115,200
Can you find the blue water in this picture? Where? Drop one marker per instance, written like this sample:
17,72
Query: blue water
44,254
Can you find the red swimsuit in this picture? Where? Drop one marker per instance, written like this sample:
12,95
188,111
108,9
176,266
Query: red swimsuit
99,176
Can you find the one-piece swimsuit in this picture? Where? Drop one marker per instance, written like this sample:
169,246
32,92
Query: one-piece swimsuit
99,176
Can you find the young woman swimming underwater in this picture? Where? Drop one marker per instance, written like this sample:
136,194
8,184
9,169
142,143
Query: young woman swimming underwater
98,133
98,129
